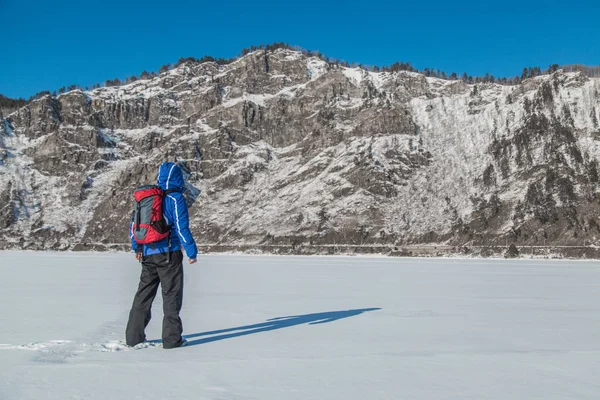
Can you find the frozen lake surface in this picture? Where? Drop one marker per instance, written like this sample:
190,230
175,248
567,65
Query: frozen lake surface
300,328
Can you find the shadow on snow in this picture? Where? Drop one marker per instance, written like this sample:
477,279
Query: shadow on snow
273,324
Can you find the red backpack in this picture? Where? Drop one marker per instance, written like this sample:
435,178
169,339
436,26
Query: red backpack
149,224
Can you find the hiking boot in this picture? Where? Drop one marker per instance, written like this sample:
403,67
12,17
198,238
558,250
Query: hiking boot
183,343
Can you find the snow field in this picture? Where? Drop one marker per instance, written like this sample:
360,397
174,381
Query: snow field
270,327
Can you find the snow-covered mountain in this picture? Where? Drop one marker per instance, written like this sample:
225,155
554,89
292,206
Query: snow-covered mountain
281,148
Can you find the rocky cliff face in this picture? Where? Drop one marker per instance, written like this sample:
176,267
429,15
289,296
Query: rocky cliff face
281,148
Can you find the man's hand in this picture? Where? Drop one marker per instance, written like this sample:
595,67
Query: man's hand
193,261
138,255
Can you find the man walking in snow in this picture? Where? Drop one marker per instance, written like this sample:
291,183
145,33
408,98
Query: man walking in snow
162,262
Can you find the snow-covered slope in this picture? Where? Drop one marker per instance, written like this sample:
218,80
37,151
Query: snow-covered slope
297,328
285,149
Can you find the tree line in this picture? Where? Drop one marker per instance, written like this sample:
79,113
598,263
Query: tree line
7,102
528,72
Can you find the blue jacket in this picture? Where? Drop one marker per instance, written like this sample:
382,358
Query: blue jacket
175,212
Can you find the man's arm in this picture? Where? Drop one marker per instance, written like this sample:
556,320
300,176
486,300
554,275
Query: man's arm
135,246
181,224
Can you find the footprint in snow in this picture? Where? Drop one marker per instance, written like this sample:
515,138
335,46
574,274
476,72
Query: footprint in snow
118,345
60,350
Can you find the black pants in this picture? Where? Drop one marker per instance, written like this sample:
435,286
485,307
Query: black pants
158,268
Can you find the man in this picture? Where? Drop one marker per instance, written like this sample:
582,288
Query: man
162,263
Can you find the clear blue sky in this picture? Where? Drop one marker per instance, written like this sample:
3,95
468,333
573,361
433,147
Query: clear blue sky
48,44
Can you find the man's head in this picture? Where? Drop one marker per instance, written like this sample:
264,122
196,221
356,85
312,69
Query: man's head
170,176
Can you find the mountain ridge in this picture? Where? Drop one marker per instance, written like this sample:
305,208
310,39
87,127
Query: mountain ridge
527,72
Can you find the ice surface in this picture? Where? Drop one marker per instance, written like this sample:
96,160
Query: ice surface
269,327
